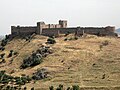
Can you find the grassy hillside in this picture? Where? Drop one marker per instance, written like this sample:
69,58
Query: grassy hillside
90,61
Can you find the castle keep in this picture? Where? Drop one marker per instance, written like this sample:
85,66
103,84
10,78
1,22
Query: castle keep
61,28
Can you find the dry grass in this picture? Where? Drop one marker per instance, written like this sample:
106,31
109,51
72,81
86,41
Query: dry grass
73,62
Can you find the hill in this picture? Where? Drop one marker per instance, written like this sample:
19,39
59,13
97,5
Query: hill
89,61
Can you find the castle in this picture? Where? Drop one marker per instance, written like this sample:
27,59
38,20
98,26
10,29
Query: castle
61,28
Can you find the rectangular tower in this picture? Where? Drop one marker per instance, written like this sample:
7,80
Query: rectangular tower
40,25
63,23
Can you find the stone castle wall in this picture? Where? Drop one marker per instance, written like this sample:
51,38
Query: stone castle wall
61,28
103,31
107,31
57,31
23,30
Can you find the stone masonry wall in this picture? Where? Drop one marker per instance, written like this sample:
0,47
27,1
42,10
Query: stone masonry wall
107,31
57,31
61,28
23,30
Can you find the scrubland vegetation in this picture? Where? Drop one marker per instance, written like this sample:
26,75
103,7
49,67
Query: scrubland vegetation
63,63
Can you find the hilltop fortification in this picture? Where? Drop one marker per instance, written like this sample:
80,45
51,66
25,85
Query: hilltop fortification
61,28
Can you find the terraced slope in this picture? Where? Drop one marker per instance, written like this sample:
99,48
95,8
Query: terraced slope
82,62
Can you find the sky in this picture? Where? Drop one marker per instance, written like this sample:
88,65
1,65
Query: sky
76,12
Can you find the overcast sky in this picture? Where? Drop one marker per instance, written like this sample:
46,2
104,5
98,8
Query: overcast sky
77,12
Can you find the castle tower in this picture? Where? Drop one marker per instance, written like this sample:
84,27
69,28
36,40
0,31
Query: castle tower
63,23
39,27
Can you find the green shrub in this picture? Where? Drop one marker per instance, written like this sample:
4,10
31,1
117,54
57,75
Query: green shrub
40,74
65,39
4,42
6,37
51,41
3,60
51,88
8,87
60,87
32,88
31,61
25,88
68,88
4,78
2,48
2,55
10,54
36,58
16,53
22,80
11,51
76,87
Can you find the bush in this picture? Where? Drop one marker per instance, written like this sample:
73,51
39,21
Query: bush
5,79
11,51
4,42
6,37
51,41
22,80
65,39
32,88
76,87
36,58
25,88
10,54
2,48
40,74
31,61
51,88
68,88
2,55
16,53
3,60
60,87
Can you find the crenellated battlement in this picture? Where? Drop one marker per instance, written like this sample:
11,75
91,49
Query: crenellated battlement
60,28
